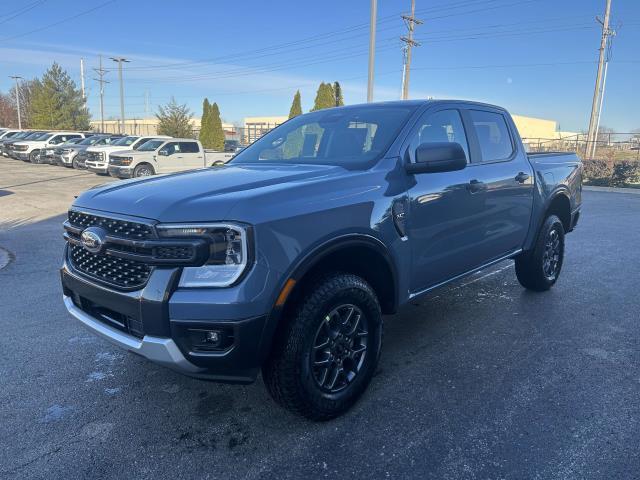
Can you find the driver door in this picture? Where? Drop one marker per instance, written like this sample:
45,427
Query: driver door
445,212
172,161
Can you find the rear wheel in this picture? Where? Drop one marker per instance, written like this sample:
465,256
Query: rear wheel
326,356
539,269
143,170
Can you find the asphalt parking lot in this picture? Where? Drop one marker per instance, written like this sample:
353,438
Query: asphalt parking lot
479,380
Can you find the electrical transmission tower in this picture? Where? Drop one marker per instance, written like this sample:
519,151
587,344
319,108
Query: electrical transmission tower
101,73
410,21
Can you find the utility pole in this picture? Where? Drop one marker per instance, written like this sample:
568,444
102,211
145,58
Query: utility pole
16,78
84,96
372,47
410,21
120,61
592,136
101,73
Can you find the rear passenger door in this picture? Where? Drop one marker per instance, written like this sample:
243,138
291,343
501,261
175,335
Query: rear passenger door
504,177
192,156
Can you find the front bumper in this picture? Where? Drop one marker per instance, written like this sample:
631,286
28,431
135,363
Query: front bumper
24,156
97,167
159,321
120,172
163,351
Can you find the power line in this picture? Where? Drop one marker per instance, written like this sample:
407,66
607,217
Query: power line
297,43
55,24
21,11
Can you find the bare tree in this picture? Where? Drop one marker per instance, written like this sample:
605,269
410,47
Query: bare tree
8,114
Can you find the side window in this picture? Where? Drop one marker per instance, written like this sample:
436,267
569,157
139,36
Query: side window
189,147
140,142
493,135
57,140
442,126
171,148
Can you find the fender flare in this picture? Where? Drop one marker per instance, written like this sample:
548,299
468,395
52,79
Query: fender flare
309,260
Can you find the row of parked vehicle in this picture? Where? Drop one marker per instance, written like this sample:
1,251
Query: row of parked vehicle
121,156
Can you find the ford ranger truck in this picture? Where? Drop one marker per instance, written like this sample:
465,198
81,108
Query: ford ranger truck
98,156
285,259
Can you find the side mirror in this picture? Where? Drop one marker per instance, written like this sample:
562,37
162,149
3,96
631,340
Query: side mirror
163,153
438,157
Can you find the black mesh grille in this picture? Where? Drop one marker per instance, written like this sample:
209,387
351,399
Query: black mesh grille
173,253
117,271
94,156
119,228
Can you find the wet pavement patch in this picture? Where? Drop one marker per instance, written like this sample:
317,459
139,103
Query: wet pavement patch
5,258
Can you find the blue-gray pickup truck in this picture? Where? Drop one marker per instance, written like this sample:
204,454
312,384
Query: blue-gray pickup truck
285,259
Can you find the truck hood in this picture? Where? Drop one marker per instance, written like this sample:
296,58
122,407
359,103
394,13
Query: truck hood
198,195
108,148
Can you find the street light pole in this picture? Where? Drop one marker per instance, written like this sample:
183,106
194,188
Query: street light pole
120,60
372,48
16,78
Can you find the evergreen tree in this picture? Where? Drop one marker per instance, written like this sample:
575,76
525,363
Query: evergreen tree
337,92
296,106
217,136
206,125
57,103
325,98
174,120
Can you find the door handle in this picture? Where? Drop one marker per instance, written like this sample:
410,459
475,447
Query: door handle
522,177
475,186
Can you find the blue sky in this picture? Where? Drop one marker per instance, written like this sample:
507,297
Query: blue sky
535,57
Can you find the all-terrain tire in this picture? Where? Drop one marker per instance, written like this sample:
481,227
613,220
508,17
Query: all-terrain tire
291,372
539,268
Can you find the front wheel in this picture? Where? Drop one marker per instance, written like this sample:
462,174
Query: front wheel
143,170
34,157
326,356
539,269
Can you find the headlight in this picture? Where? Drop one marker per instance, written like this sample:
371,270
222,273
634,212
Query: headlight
228,253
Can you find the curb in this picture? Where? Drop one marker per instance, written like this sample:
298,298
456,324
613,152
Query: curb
632,191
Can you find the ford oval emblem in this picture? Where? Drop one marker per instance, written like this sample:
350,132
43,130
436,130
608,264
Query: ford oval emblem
92,239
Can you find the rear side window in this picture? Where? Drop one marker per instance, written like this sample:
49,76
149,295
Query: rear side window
189,147
493,135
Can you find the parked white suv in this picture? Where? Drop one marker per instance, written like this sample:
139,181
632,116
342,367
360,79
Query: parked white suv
158,156
98,156
29,150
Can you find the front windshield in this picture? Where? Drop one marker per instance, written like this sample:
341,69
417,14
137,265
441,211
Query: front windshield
89,141
45,136
32,135
151,145
351,137
124,141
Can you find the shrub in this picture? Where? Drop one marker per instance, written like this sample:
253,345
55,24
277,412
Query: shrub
610,173
625,172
